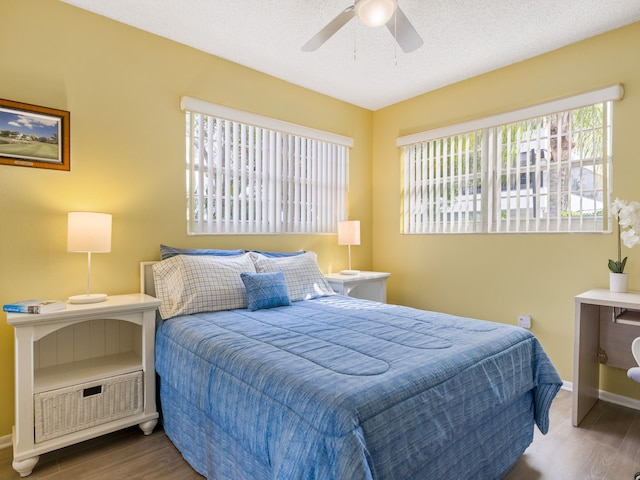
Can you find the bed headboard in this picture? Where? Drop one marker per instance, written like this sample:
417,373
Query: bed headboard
146,278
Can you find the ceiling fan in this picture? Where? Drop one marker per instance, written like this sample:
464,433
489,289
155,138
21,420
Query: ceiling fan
372,13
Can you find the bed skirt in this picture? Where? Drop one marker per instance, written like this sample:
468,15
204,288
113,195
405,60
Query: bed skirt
196,435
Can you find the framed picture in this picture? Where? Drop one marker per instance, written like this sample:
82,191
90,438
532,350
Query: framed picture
33,136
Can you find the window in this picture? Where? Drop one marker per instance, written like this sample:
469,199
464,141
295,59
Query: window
541,169
248,174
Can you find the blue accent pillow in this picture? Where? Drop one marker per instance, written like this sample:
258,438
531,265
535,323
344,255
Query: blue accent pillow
168,252
265,290
279,254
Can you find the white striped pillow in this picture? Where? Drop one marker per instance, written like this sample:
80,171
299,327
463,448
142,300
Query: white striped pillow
301,272
190,284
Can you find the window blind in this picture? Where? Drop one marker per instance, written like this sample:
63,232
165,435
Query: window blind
544,173
266,176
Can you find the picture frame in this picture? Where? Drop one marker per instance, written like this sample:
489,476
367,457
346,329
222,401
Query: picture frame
34,136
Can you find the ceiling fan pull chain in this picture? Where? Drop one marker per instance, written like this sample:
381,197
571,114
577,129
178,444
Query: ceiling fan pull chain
355,41
395,35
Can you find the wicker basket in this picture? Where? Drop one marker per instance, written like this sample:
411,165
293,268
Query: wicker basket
66,410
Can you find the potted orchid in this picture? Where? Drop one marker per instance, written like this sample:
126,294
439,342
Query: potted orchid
628,216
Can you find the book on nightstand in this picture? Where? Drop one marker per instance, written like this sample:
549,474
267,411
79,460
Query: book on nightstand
35,306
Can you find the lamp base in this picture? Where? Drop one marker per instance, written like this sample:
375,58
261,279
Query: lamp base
88,298
349,272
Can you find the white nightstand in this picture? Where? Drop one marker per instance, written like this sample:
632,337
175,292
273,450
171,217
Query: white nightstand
82,372
366,285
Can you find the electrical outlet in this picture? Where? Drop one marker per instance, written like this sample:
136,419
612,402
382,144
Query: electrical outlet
524,321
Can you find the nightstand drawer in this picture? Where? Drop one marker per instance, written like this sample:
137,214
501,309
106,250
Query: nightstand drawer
70,409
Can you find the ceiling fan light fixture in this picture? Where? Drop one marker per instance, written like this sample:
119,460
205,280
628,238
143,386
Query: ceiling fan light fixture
375,13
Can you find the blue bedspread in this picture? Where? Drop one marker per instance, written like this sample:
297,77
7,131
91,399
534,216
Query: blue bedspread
340,388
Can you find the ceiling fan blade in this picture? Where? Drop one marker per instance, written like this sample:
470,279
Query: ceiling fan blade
330,29
401,28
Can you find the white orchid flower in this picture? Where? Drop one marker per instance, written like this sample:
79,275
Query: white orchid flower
630,238
628,216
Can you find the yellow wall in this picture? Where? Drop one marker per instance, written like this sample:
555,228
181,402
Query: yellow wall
498,277
123,87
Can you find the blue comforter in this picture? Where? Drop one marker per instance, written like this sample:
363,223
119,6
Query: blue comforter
340,388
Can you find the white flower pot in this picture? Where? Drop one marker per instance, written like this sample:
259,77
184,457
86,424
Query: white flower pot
618,282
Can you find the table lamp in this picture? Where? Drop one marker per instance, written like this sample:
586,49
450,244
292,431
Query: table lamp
89,232
349,234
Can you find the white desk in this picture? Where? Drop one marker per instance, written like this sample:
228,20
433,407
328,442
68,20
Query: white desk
601,338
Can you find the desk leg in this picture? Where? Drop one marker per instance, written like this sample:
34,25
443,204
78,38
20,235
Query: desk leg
586,366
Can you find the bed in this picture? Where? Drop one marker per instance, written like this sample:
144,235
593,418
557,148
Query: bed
264,373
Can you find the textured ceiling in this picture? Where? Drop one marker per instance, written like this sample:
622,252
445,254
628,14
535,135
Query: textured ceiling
362,65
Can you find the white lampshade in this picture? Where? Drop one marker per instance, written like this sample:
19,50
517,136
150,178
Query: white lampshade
349,232
89,232
375,13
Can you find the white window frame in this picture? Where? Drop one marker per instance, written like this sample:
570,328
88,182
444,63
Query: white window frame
479,203
268,176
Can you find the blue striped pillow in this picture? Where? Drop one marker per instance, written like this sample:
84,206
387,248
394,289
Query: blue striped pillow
168,252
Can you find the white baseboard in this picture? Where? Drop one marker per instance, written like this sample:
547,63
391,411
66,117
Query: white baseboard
609,397
620,400
5,441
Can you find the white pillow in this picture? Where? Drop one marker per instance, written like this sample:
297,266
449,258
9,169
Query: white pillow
301,273
191,284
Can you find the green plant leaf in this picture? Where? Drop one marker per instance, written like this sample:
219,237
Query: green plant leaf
617,267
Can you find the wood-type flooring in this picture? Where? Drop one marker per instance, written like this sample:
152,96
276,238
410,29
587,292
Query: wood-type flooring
606,446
